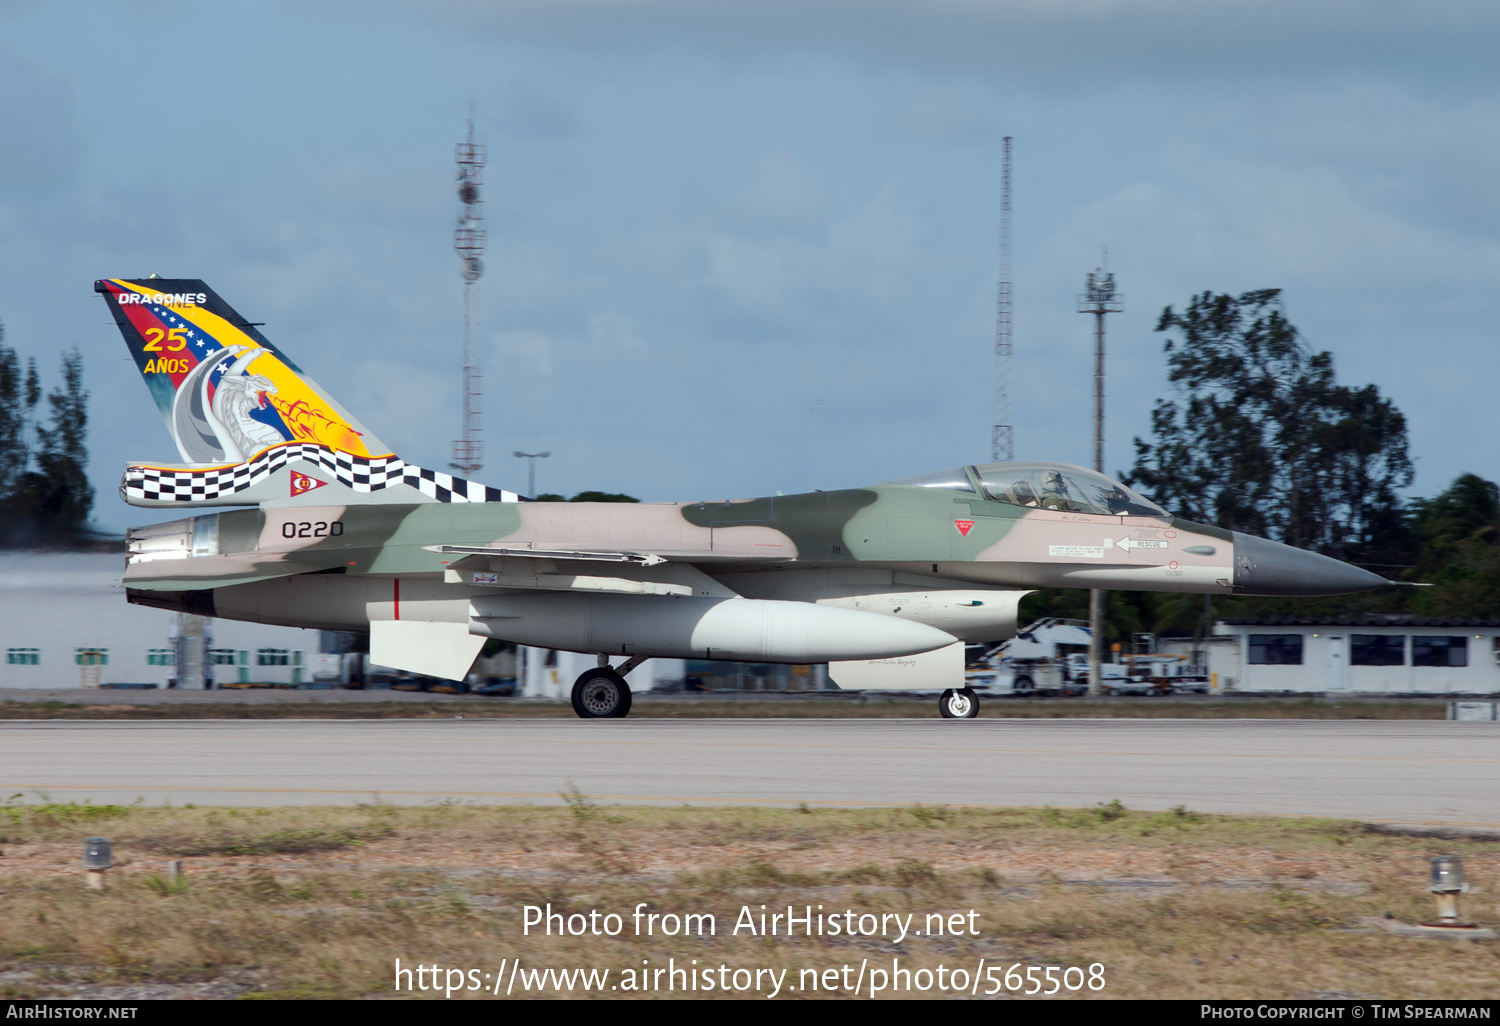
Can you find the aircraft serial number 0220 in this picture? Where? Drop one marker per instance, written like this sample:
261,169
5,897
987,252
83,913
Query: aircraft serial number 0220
307,529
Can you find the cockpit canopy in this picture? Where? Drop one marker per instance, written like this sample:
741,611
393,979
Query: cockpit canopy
1059,486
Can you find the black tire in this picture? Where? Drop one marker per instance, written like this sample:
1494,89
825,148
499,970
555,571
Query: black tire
601,694
1023,683
959,704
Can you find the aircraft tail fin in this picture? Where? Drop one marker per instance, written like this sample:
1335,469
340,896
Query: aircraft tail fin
226,393
247,421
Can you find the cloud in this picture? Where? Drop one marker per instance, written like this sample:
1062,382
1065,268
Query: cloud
36,106
867,255
940,112
1070,43
783,194
388,391
529,110
1414,151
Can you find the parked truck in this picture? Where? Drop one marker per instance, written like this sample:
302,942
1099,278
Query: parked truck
1036,660
1051,657
1148,674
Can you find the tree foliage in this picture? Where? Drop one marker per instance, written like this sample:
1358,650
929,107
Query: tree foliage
588,497
1259,436
1457,536
45,494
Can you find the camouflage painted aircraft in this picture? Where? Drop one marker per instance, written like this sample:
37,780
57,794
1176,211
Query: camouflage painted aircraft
884,583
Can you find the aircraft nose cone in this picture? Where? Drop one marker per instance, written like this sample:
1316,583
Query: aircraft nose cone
1263,567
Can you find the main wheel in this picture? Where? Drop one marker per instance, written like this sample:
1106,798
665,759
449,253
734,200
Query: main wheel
601,693
1023,684
959,704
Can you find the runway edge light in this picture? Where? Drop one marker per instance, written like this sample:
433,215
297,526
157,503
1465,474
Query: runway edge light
98,856
1448,884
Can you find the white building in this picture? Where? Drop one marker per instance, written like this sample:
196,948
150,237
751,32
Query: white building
64,623
1376,655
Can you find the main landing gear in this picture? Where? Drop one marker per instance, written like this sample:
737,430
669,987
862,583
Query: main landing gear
959,704
601,693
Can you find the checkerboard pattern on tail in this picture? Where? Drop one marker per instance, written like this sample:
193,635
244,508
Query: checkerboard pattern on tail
360,473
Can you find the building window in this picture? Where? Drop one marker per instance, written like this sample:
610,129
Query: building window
160,657
1439,651
272,657
91,656
221,657
23,656
1276,649
1377,650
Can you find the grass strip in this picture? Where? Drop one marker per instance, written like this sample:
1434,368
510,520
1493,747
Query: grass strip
319,902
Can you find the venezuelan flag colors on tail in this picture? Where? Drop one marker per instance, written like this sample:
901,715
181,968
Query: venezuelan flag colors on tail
250,426
226,393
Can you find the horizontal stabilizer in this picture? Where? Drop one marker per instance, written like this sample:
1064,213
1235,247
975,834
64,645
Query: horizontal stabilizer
445,650
188,574
927,671
285,472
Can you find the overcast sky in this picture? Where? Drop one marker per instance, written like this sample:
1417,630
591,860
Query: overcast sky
750,246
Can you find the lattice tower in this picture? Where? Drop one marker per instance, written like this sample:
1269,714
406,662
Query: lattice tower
468,242
1002,434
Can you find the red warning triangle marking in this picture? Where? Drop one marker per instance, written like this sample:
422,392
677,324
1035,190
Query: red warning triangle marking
304,483
964,526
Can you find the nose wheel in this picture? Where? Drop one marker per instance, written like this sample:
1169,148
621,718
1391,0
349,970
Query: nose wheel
959,704
601,693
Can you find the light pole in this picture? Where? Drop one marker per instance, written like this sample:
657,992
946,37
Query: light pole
530,469
1099,298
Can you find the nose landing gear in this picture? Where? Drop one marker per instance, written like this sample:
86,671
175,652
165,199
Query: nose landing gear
959,704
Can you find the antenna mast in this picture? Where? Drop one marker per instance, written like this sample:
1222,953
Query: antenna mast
1101,299
1002,434
468,242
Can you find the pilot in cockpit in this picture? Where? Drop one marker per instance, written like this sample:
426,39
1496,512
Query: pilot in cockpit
1055,492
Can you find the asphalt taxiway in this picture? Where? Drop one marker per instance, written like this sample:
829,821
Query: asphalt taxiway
1417,772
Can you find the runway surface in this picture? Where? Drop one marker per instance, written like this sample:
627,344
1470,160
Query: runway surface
1410,772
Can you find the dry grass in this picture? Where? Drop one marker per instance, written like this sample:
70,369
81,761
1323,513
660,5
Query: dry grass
319,902
787,707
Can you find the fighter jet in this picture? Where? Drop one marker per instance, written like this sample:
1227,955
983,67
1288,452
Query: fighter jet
885,583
